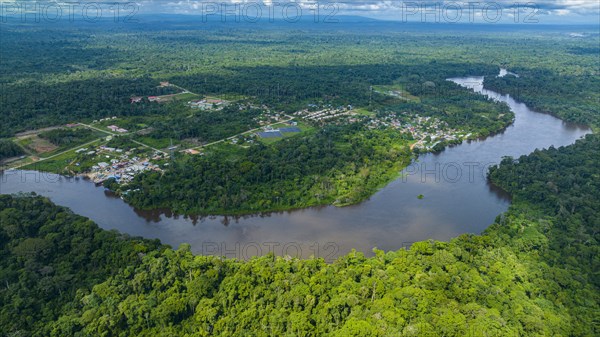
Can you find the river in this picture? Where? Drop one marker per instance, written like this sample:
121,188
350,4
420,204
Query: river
456,199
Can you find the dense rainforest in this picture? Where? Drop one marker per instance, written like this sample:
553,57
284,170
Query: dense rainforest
36,104
573,97
9,149
265,69
285,69
532,273
61,137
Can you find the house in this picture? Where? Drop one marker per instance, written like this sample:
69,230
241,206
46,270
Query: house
214,101
136,99
201,104
115,128
196,104
165,84
192,151
207,103
109,149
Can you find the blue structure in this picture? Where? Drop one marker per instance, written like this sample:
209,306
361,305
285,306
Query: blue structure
270,134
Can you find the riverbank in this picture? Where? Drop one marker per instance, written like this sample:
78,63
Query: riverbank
458,198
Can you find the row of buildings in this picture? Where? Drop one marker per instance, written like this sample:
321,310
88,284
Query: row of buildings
325,114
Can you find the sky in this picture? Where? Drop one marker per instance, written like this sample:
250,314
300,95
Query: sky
479,11
505,11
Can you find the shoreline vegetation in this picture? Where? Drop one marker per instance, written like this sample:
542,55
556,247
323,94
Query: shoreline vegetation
533,272
347,185
371,159
514,278
385,177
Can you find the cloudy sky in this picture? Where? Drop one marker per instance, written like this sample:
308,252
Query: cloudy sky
491,11
542,11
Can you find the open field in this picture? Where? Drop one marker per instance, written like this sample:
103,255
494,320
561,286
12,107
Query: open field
396,91
36,145
184,97
40,143
159,143
303,126
364,112
58,162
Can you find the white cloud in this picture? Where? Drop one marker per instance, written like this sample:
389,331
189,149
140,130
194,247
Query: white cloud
562,12
386,9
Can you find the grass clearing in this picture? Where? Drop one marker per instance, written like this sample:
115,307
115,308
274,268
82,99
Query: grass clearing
364,112
188,96
304,129
397,91
55,165
37,145
158,143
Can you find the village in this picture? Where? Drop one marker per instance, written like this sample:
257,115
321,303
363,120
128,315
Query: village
326,114
120,165
129,158
427,131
